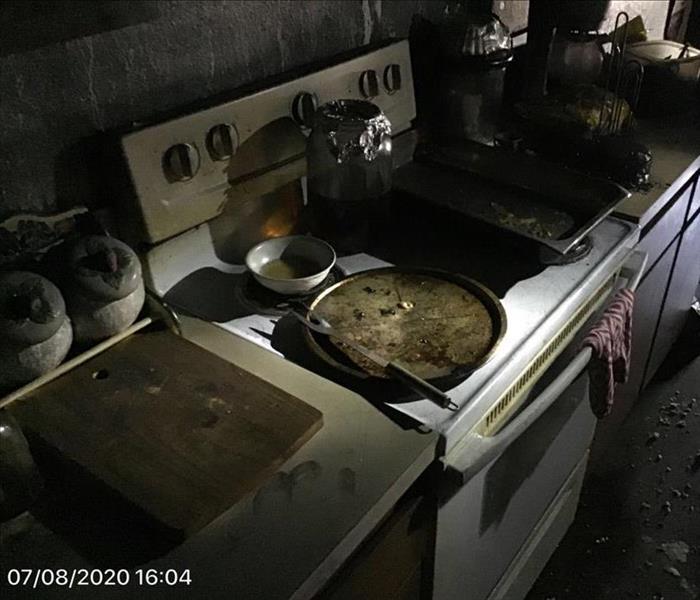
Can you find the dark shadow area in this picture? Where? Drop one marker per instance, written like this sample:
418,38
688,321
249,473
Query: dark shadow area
80,172
29,25
209,295
686,350
428,236
98,525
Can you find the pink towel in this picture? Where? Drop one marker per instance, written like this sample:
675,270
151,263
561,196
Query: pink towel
611,342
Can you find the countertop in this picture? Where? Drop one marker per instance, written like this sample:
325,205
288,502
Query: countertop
675,146
290,536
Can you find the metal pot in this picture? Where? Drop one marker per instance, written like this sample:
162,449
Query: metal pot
349,172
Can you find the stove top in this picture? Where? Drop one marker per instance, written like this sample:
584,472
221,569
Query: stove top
202,211
539,299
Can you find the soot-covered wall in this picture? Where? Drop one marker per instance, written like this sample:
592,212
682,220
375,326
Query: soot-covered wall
57,100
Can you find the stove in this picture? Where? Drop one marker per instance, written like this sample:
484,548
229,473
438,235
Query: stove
201,213
209,185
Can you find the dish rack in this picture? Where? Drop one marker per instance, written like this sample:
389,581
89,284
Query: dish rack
623,79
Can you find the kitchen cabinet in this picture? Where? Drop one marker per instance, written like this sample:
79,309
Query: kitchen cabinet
681,287
647,307
666,226
683,279
695,202
396,561
662,301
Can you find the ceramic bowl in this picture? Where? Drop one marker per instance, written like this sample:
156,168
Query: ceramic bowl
291,265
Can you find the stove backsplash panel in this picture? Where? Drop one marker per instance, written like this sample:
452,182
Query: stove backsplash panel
58,100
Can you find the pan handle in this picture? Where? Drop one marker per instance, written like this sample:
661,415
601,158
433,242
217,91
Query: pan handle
420,386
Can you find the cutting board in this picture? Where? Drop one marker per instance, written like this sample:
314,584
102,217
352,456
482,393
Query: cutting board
174,429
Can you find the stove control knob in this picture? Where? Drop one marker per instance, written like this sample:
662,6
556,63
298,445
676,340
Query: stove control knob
181,162
304,107
222,141
392,78
369,83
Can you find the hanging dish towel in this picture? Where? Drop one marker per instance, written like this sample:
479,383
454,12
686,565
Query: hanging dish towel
611,342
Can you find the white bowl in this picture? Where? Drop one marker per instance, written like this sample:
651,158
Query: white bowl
291,265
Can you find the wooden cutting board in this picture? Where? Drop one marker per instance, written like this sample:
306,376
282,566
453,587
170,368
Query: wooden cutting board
176,430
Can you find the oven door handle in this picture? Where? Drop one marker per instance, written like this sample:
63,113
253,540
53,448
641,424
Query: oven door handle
633,269
475,451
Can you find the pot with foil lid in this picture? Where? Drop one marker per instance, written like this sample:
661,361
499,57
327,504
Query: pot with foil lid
349,172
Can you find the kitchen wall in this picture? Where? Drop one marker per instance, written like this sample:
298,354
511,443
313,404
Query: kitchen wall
56,101
514,14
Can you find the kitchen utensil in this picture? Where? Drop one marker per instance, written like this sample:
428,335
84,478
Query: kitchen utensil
622,83
395,370
291,265
349,170
533,198
671,75
435,324
176,430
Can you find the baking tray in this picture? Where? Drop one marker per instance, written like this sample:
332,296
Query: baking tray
542,201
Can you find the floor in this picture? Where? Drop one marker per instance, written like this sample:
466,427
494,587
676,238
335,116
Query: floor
637,530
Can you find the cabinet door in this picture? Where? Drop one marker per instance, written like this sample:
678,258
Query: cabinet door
395,562
695,202
686,273
647,307
666,226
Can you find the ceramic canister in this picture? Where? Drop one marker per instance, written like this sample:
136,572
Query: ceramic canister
35,333
104,288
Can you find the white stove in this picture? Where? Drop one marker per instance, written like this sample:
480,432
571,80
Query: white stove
210,184
538,307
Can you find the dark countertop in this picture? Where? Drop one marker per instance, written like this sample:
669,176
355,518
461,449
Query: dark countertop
675,146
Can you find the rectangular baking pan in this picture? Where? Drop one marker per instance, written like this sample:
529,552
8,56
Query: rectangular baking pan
542,201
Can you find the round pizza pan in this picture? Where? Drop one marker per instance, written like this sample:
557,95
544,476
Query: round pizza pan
436,324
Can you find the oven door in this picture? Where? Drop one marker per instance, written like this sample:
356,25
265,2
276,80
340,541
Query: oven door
509,497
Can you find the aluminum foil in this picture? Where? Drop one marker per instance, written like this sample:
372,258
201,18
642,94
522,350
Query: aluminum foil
353,128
